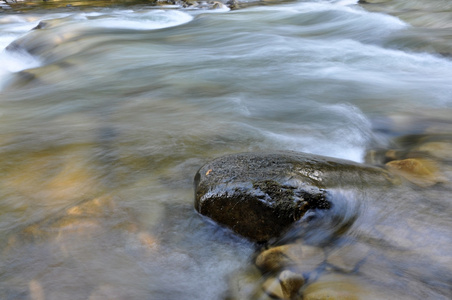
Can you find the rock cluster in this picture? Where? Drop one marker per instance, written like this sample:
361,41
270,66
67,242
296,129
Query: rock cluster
261,195
300,271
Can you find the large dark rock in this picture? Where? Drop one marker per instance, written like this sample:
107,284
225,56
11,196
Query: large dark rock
260,195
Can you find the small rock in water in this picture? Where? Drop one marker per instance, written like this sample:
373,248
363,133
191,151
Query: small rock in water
242,284
290,283
285,286
301,258
272,287
422,172
348,258
273,259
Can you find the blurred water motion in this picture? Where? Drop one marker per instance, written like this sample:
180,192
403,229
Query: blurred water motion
107,114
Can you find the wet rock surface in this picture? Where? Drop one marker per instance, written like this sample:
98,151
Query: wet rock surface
260,195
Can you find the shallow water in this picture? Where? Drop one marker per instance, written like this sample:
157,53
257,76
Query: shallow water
106,114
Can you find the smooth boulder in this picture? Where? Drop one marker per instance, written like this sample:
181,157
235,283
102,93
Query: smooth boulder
260,195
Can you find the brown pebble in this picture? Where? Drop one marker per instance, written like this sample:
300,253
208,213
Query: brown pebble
303,258
422,172
272,287
290,283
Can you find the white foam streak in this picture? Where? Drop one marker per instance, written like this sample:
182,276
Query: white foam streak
317,145
11,28
347,2
346,137
154,19
15,62
18,61
344,7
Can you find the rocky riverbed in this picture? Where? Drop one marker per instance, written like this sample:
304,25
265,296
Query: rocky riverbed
314,250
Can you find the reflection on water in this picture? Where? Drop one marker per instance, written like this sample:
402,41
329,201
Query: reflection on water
106,116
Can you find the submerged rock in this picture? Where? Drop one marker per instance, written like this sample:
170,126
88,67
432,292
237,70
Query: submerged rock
286,286
290,283
260,195
272,287
299,257
333,289
348,258
422,172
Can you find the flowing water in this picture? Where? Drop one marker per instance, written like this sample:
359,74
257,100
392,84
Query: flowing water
107,113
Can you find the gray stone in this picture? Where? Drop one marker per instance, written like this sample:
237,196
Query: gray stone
260,195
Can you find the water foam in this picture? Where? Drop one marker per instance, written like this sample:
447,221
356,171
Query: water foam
347,2
153,19
343,7
11,28
11,62
346,137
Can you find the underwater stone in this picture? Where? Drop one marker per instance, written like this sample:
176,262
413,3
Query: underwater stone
290,283
422,172
298,257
